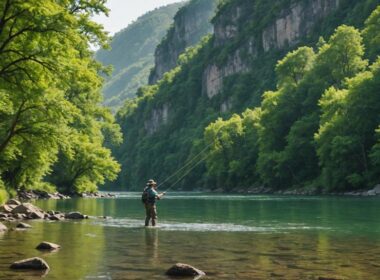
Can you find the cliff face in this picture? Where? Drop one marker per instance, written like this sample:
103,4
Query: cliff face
284,31
132,54
191,23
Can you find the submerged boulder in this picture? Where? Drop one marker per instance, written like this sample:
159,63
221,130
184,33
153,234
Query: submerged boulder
181,269
74,216
48,246
32,263
3,228
23,225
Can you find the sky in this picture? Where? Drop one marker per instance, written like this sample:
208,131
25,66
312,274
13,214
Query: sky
123,12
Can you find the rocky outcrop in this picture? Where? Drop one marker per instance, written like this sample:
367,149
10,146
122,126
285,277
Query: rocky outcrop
28,211
48,246
214,75
295,23
159,117
36,194
181,269
285,30
191,23
32,263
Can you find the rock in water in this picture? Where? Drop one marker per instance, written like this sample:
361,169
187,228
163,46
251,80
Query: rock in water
13,202
181,269
48,246
74,216
7,208
32,263
23,225
28,208
3,228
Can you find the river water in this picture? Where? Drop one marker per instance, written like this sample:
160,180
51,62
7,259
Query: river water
227,236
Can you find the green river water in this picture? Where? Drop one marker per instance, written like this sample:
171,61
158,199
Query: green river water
227,236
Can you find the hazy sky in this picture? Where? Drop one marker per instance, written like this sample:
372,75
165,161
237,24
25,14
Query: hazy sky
123,12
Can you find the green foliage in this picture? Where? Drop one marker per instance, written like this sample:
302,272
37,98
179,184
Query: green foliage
50,90
347,135
278,145
371,34
233,151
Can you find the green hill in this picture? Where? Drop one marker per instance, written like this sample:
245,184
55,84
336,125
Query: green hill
132,54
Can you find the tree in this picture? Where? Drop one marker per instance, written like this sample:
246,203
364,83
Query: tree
50,88
347,137
371,34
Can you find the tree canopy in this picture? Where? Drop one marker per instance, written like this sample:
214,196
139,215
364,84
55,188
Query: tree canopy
50,93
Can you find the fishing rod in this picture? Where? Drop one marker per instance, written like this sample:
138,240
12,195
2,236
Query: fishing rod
183,176
186,165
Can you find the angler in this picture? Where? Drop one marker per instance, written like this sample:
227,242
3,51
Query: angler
149,198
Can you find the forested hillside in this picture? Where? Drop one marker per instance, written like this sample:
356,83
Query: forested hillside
312,114
132,54
52,124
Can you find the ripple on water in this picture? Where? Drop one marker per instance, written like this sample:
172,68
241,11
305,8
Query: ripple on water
207,227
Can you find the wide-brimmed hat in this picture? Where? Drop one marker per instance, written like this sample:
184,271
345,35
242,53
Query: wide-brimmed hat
151,182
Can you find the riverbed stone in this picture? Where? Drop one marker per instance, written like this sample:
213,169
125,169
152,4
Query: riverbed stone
376,189
74,216
56,217
6,208
32,263
13,202
48,246
181,269
26,208
3,228
23,225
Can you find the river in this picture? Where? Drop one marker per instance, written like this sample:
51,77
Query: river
227,236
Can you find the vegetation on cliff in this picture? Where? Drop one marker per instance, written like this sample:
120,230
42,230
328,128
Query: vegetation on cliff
281,141
52,126
132,54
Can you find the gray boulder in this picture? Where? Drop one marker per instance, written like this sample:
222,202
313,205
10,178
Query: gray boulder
23,225
32,263
32,212
13,202
6,208
181,269
56,217
48,246
3,228
74,216
376,189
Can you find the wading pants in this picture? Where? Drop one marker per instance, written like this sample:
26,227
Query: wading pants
151,213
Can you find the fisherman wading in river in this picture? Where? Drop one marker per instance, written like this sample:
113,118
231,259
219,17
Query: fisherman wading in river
149,198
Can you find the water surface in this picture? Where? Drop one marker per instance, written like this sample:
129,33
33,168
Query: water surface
227,236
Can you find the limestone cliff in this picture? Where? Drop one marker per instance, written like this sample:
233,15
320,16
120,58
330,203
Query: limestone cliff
191,23
285,30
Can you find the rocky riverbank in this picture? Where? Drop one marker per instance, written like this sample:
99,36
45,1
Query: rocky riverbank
263,190
37,194
14,211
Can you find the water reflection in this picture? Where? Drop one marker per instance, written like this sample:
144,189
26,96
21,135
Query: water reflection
151,243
